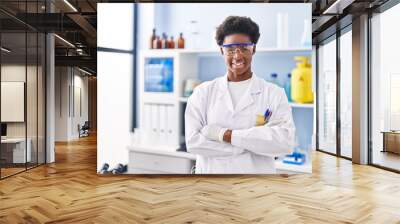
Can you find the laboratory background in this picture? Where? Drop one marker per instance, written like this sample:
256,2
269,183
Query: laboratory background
79,77
174,49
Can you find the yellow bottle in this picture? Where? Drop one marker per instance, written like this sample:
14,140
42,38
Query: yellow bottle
301,83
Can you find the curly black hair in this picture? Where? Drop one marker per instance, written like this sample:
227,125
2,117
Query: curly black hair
237,24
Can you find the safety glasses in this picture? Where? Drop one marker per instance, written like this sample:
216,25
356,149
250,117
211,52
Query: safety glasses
243,48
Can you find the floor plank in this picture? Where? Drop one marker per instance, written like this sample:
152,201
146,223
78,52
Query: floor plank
70,191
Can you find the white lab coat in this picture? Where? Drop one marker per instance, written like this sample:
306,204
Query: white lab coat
252,148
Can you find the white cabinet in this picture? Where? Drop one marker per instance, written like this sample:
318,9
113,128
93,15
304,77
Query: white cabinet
161,77
153,160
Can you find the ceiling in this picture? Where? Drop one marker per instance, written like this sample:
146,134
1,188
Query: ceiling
76,22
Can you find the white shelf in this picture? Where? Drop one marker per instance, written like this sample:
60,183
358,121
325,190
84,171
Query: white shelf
216,50
302,105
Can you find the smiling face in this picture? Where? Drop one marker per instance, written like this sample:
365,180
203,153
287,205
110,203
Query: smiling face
239,64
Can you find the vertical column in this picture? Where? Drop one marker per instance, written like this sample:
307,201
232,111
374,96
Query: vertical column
50,93
360,93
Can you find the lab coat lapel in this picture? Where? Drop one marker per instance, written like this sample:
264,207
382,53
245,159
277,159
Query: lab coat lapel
224,94
248,98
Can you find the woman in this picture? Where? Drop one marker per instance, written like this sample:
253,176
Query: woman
238,123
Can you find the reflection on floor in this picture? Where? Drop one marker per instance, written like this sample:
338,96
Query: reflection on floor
10,169
387,159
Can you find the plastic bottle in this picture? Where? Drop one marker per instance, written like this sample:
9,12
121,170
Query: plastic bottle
274,79
287,87
301,90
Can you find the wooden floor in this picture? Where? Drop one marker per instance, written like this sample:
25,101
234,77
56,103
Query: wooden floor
70,191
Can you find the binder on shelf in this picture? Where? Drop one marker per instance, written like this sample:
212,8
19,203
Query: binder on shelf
171,124
163,125
155,123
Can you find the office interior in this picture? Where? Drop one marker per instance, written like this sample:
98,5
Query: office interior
47,94
354,134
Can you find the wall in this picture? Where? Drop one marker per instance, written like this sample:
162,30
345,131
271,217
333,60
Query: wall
17,73
176,18
92,107
33,127
69,112
114,82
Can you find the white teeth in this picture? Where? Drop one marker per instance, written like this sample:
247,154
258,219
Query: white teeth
238,63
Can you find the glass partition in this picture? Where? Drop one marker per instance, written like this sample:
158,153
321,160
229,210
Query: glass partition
385,90
327,96
15,150
22,67
346,93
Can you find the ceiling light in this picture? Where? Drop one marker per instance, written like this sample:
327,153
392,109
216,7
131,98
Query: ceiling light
5,50
70,5
338,6
84,71
64,40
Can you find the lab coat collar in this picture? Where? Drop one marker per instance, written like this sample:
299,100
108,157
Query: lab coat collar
247,99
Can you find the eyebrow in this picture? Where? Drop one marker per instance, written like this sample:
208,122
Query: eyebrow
237,44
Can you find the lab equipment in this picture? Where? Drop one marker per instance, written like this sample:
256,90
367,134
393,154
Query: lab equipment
171,43
244,48
274,79
164,41
181,41
190,84
104,169
301,90
157,43
287,87
296,158
152,38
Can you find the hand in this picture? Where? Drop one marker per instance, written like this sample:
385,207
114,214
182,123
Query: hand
213,132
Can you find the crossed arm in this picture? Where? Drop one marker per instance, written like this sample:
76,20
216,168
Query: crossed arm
274,138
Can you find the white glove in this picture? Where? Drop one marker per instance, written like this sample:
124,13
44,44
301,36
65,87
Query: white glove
214,132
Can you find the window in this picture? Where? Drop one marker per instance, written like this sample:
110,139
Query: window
327,96
385,89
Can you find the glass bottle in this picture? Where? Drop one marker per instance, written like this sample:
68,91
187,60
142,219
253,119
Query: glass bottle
181,41
164,41
152,38
172,43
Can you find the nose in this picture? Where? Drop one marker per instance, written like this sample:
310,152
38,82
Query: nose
237,53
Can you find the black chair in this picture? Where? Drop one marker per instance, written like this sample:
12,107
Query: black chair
84,130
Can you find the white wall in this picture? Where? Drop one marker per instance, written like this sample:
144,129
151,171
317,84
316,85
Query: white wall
68,80
114,83
174,18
